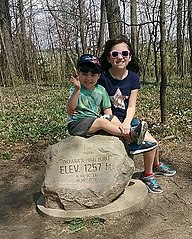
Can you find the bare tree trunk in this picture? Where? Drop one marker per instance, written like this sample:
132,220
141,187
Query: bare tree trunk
124,16
179,39
2,101
163,86
155,41
190,33
82,25
156,49
7,58
114,18
100,42
23,44
134,33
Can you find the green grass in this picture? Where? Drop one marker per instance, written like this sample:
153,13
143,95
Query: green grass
5,155
179,110
29,113
33,114
78,224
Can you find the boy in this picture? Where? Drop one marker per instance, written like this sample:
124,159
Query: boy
89,99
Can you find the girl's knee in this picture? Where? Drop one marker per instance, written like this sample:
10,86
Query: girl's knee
150,138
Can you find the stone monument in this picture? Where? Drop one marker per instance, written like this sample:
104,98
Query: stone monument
85,172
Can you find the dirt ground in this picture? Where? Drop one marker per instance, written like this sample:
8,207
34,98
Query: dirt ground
168,215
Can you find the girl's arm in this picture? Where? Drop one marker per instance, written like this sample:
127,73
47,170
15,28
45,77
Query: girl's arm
130,110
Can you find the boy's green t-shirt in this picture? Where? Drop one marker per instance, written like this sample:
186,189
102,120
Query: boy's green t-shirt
90,103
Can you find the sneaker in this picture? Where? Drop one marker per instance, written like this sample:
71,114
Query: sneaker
151,184
144,147
163,169
137,133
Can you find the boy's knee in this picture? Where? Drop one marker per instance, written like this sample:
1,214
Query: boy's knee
115,118
101,122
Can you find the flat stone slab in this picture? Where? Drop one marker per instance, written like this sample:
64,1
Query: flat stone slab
133,199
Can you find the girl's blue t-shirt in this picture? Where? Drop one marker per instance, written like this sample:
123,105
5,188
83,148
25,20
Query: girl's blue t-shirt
119,91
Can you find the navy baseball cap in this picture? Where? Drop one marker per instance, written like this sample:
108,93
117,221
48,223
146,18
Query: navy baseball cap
88,59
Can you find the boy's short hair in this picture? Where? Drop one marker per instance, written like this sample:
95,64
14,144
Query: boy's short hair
88,59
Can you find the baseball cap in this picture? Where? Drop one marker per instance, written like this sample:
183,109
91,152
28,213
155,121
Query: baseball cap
88,59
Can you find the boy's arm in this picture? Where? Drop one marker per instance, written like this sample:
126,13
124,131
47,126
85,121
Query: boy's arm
73,100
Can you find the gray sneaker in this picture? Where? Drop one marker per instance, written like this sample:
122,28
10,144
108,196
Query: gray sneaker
151,184
137,133
142,148
163,169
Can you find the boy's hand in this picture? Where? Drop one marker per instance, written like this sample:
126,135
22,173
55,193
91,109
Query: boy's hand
75,81
72,112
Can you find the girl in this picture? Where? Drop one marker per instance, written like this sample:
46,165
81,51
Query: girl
122,84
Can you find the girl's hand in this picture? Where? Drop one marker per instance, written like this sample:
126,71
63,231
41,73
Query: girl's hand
124,129
75,81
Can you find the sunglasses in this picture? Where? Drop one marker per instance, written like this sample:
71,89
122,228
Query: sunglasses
115,54
86,69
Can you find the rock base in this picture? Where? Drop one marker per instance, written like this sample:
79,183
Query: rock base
85,173
133,199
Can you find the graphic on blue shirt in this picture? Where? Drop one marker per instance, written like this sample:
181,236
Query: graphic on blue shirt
120,91
118,99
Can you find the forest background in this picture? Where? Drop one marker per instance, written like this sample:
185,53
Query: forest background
40,42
